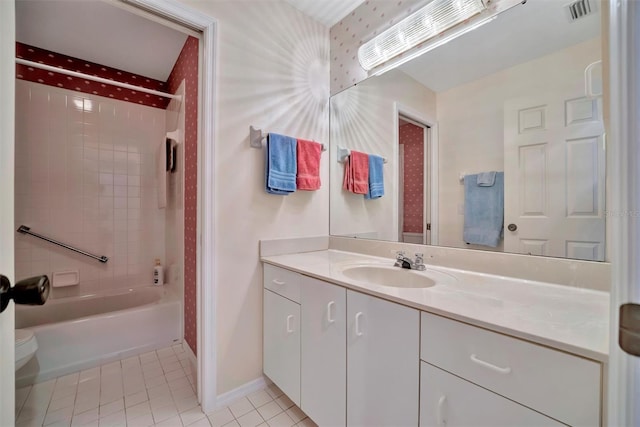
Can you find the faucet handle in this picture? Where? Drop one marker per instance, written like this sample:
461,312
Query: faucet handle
399,258
419,258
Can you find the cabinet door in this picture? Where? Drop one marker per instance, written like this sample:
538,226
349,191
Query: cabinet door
448,400
324,366
282,343
383,367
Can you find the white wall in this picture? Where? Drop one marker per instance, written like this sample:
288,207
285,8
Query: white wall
362,119
274,74
85,175
471,129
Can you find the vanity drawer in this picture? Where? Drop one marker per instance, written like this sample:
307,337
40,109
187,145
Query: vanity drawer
282,282
447,400
557,384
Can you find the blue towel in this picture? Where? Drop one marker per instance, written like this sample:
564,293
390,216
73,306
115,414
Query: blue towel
483,211
281,164
376,177
486,179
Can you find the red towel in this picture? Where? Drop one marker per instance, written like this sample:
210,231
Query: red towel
308,154
356,173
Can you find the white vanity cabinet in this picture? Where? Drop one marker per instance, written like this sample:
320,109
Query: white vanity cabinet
350,358
383,367
513,374
324,363
344,357
281,336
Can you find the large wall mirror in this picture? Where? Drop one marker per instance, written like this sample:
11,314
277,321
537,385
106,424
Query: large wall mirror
516,96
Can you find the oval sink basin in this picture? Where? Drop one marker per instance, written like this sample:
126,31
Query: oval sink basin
395,277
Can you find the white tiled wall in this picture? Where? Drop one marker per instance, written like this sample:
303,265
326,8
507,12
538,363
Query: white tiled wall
85,175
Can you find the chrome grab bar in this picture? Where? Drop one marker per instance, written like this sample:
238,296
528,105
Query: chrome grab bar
26,230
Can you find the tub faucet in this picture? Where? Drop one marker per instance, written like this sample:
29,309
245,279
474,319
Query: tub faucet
403,261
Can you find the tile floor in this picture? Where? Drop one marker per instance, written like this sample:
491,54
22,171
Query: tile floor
151,389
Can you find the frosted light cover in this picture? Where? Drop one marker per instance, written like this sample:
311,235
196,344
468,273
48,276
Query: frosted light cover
428,22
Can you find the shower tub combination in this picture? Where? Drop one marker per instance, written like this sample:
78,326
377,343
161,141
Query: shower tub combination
82,332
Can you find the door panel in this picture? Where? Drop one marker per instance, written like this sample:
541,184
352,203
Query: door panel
7,96
382,362
554,176
282,343
324,365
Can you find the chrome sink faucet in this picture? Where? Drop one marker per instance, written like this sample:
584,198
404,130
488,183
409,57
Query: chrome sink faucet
403,261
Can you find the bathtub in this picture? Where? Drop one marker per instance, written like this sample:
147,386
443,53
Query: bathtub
82,332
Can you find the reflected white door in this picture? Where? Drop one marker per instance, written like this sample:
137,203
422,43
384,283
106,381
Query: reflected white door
554,159
7,83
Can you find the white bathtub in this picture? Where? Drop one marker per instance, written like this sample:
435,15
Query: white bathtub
82,332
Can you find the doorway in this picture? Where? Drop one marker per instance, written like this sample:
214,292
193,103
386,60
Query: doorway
417,178
204,318
413,169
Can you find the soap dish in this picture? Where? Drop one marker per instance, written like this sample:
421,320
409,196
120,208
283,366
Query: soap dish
65,278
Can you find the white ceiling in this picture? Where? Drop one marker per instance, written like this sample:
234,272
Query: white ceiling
98,32
327,12
520,34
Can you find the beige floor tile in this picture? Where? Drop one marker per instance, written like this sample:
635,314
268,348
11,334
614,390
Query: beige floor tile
241,407
270,410
251,419
281,420
220,417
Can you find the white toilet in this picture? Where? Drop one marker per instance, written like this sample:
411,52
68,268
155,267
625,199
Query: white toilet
26,346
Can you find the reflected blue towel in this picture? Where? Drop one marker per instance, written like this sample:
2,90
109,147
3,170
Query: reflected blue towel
376,177
486,179
483,211
281,164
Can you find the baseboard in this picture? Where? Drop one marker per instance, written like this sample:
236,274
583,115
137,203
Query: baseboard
225,399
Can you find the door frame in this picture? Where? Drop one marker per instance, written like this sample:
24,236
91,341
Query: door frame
206,285
430,184
7,176
623,203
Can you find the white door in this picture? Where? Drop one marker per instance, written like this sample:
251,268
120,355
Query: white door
554,160
323,395
282,343
7,83
383,362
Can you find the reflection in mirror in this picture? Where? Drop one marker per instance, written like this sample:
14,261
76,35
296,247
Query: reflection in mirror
511,97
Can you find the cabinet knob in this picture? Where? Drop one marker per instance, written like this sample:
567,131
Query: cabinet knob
512,227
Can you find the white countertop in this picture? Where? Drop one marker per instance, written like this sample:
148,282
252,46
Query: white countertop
569,319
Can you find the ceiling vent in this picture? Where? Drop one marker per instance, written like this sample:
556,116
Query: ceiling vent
580,9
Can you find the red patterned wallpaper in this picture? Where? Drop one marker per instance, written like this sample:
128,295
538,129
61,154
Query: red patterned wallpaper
50,78
186,68
412,137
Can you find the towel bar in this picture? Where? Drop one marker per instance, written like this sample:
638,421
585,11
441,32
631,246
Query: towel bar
256,136
26,230
343,153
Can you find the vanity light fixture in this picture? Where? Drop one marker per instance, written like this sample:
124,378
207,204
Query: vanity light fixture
452,35
428,22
